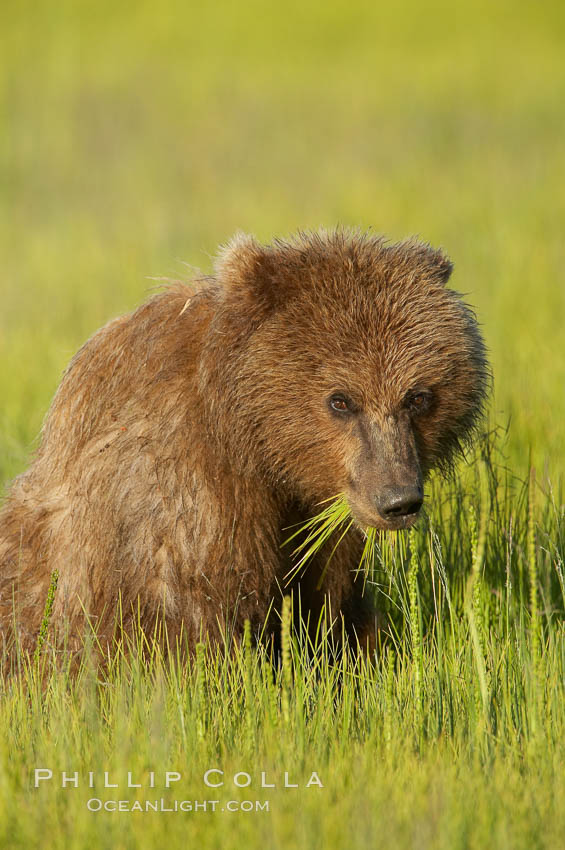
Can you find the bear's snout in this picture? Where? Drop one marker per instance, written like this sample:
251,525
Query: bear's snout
399,501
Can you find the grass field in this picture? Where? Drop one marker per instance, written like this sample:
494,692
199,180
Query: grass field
134,140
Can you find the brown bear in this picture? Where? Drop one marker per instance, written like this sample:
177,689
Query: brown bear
187,437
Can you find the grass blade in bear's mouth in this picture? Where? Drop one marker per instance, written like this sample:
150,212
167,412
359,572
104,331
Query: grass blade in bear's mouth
318,530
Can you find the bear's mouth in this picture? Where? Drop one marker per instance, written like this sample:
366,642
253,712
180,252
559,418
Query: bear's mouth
365,520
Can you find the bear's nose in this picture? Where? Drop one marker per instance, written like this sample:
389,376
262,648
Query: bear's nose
397,501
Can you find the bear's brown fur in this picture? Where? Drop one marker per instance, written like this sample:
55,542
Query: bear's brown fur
185,437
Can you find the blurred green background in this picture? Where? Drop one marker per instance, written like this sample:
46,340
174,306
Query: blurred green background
136,137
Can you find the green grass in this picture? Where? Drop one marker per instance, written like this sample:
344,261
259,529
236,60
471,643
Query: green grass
135,139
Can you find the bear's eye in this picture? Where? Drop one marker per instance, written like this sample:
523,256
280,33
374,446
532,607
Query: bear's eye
418,401
341,403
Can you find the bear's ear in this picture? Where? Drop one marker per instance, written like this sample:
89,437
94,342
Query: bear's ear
413,256
248,270
443,266
437,262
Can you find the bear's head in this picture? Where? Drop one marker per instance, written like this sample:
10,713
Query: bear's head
339,363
